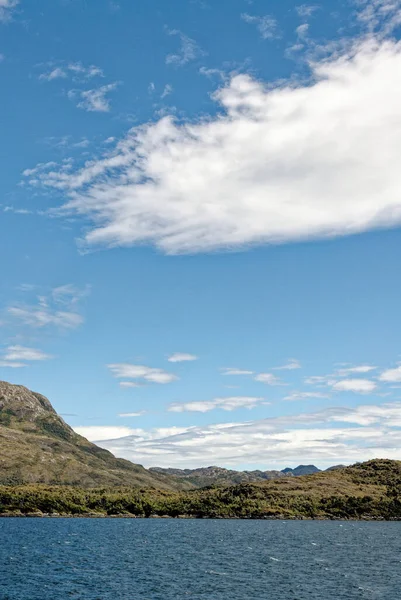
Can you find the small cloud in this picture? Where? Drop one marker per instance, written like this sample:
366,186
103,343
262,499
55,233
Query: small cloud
130,384
391,375
227,404
19,353
302,30
306,10
129,415
148,374
290,366
305,396
188,52
358,386
359,369
266,25
236,372
94,100
168,89
268,378
181,357
6,364
57,73
76,71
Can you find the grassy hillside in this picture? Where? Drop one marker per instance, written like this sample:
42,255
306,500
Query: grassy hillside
369,490
37,446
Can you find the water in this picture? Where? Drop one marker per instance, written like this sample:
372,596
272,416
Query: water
117,559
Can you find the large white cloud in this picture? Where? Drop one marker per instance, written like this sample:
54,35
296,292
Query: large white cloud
275,165
334,435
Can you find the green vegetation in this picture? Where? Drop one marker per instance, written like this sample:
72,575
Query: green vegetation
369,490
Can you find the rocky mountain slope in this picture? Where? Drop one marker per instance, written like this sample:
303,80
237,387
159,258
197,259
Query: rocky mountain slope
222,477
37,446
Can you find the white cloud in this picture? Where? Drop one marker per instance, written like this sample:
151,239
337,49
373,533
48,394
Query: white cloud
6,364
130,384
41,317
56,73
380,16
228,371
19,353
181,357
265,170
148,374
188,52
267,25
227,404
302,30
305,396
6,9
352,370
99,433
59,309
76,71
323,437
268,378
290,366
85,72
168,89
391,375
133,414
95,100
358,386
306,10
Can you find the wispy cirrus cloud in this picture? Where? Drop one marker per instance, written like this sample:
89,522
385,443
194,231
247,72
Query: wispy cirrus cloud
228,404
58,309
188,52
19,353
305,396
344,371
178,357
231,371
266,25
291,365
306,10
18,357
268,378
141,373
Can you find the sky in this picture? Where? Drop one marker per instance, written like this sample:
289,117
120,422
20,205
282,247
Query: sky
200,218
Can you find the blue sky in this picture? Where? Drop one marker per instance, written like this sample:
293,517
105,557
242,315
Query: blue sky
199,225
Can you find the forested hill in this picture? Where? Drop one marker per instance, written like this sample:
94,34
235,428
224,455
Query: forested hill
370,490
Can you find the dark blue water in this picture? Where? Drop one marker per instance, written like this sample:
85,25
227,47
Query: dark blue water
111,559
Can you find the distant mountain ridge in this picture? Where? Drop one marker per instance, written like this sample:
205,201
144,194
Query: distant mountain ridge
207,476
37,446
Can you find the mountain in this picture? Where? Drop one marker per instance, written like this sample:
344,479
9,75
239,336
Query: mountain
37,446
209,476
301,470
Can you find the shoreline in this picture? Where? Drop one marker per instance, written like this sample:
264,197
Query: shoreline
193,518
